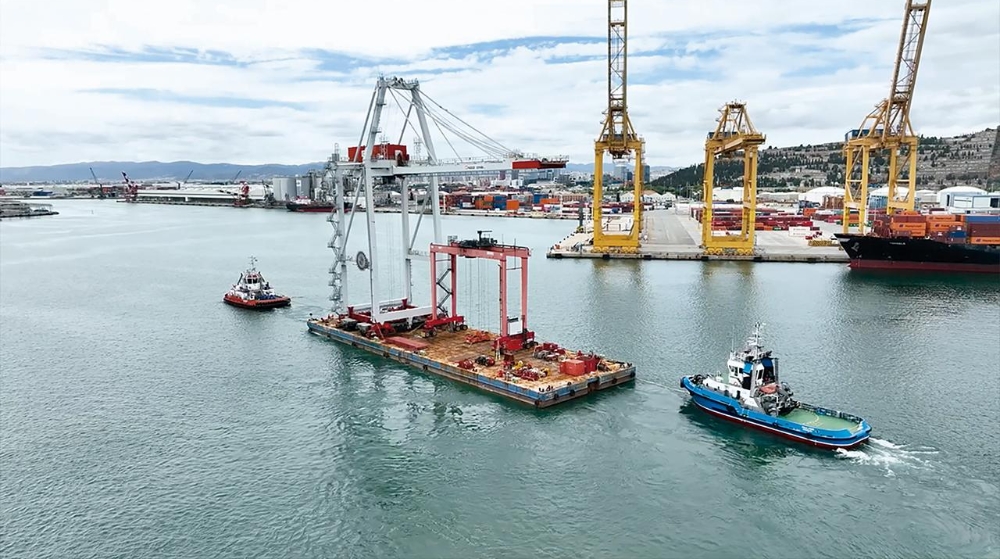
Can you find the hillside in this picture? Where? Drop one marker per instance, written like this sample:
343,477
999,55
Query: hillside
111,171
969,159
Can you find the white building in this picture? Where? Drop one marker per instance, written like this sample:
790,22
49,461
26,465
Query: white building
816,195
945,194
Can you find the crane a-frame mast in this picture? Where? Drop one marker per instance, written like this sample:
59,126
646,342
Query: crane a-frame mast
888,128
617,137
735,133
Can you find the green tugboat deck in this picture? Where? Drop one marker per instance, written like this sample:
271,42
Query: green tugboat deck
810,418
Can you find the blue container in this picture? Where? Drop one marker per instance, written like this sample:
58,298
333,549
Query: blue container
982,218
536,198
957,234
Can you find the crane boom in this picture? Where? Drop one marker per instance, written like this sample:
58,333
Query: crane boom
904,76
617,136
617,128
888,129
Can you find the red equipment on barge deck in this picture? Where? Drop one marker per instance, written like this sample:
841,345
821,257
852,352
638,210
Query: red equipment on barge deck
483,247
490,249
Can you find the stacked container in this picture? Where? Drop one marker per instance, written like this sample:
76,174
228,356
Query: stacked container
983,229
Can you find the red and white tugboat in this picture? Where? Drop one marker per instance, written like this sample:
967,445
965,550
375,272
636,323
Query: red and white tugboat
252,291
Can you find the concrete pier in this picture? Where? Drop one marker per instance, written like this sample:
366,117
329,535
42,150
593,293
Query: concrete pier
673,235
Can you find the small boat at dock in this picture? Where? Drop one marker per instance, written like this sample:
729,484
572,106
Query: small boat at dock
252,291
751,394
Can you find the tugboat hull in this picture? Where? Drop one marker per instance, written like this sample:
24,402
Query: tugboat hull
729,408
257,304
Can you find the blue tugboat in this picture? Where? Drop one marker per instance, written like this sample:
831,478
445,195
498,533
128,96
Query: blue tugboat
751,394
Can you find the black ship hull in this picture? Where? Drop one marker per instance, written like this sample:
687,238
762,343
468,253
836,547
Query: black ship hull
881,253
314,207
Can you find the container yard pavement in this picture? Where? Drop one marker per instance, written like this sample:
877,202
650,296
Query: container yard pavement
673,235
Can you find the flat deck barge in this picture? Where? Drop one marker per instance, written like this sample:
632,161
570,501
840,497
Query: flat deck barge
543,375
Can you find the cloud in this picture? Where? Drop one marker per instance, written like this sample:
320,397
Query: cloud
265,82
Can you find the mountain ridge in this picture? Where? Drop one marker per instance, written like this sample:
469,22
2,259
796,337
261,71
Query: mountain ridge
110,171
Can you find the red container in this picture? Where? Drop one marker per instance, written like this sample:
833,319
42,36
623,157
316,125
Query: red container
381,151
407,343
573,367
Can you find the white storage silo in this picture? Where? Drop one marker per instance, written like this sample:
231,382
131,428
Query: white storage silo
303,185
284,188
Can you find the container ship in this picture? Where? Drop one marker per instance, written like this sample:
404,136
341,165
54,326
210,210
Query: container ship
938,242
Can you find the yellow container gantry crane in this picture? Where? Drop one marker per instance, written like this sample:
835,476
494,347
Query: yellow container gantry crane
618,137
735,133
888,128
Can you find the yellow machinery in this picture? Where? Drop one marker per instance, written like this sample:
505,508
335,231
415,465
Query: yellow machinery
618,137
733,134
888,129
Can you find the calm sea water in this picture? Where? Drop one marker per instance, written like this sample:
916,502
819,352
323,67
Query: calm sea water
140,416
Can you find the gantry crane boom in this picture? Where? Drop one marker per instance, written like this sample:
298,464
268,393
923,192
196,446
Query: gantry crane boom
617,136
734,133
888,128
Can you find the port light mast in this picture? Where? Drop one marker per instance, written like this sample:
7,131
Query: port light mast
888,129
372,164
734,134
617,137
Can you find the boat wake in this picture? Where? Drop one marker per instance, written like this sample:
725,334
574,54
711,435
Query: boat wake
889,456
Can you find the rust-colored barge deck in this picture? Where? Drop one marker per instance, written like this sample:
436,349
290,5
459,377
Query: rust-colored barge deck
542,375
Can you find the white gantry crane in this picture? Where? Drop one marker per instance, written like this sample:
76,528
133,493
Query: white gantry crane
372,163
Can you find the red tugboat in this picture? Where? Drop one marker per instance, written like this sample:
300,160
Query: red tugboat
252,291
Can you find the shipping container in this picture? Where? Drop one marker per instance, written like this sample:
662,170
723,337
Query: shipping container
572,367
985,240
973,218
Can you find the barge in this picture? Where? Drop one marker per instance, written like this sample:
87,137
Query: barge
549,375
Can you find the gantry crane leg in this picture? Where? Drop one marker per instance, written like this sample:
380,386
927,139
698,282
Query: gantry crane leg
599,149
902,156
707,185
856,190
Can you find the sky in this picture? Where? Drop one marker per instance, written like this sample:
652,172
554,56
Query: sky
262,81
